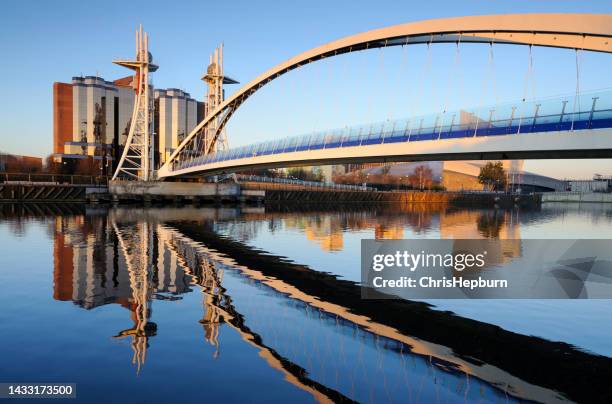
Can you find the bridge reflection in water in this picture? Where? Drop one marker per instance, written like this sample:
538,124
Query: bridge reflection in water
312,326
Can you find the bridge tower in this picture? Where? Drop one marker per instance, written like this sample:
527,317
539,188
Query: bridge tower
136,161
215,78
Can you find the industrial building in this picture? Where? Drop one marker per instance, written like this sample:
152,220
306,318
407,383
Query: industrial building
176,114
12,163
92,116
599,183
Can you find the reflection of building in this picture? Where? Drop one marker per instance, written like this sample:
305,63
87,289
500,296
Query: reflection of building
92,269
477,225
393,232
325,231
92,273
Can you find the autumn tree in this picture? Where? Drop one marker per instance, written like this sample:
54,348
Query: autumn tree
421,178
493,176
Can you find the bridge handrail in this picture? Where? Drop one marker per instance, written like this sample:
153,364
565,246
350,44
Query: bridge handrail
314,184
587,111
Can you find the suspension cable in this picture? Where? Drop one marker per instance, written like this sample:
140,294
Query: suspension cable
285,92
525,87
320,75
461,88
528,74
492,71
400,76
344,107
427,64
577,95
370,108
483,94
384,76
450,77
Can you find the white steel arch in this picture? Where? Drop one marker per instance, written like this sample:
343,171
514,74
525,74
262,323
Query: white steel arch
591,32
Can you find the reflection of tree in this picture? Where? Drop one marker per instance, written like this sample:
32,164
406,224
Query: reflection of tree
489,224
419,221
327,228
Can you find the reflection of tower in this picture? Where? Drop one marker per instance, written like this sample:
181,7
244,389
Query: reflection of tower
130,266
137,244
208,277
215,79
136,159
210,281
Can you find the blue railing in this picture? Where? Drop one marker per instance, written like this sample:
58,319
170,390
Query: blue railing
303,183
587,111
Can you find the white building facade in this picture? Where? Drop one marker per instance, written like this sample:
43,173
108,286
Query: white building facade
100,110
177,115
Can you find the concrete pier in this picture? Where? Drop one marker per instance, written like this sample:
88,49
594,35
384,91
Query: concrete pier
192,192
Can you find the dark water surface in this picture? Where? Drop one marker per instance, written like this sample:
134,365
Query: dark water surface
228,304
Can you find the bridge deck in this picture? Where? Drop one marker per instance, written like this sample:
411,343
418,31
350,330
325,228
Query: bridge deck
524,119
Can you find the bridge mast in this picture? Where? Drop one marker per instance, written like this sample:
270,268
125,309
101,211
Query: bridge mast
215,78
137,158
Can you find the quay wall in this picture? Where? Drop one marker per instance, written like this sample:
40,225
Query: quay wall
455,198
577,197
173,192
44,192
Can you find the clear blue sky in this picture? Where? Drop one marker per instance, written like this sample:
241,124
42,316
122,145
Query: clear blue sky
43,41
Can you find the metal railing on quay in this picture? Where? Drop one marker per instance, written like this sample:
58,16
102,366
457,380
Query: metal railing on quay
53,179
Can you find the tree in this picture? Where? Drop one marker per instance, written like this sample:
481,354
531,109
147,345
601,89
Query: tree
422,178
493,176
305,175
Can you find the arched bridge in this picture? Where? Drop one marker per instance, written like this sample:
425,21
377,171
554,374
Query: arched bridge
530,130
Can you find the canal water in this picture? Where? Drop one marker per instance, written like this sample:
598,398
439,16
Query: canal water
263,304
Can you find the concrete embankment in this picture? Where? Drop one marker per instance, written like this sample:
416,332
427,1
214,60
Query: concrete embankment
460,199
577,197
196,192
158,192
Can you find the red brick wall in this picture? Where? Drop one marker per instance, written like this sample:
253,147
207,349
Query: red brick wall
62,115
